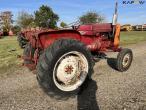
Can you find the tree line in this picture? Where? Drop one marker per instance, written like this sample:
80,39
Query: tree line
45,17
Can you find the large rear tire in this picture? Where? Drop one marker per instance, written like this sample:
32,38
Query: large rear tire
64,67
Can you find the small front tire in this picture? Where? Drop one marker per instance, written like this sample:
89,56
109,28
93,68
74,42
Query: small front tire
124,59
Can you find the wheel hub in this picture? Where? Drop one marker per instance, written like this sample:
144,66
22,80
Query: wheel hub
70,71
126,60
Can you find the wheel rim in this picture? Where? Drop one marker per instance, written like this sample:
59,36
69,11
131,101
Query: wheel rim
70,71
126,60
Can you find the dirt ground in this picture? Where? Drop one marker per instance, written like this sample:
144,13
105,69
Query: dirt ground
108,89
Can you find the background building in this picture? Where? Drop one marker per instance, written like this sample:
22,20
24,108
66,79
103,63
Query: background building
141,27
126,27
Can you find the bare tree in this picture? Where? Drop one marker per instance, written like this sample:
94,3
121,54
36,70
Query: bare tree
91,17
6,21
25,20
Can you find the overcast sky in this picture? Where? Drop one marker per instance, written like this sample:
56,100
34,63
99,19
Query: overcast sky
70,10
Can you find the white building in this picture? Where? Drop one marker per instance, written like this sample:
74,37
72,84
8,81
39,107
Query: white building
141,27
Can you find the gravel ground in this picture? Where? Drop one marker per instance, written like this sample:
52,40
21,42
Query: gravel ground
108,89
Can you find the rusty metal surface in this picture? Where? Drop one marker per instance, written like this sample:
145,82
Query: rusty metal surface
94,36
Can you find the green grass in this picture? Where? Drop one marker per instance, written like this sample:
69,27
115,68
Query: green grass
132,37
9,49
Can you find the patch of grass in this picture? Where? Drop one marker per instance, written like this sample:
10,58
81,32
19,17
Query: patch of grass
132,37
9,49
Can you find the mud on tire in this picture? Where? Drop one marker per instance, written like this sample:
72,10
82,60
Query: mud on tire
50,57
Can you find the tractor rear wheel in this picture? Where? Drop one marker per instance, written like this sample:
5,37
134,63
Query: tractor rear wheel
27,55
64,67
21,40
124,60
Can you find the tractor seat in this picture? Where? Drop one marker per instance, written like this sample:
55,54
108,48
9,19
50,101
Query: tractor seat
93,29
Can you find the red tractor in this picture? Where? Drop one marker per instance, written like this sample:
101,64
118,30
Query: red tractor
64,58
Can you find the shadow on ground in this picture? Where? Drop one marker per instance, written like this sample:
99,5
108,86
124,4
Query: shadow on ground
112,63
87,96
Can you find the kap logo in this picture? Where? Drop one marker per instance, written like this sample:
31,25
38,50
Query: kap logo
141,2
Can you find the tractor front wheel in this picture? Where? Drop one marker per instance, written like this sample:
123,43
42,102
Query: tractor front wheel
124,60
64,67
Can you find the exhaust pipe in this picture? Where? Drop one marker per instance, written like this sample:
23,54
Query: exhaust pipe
115,18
